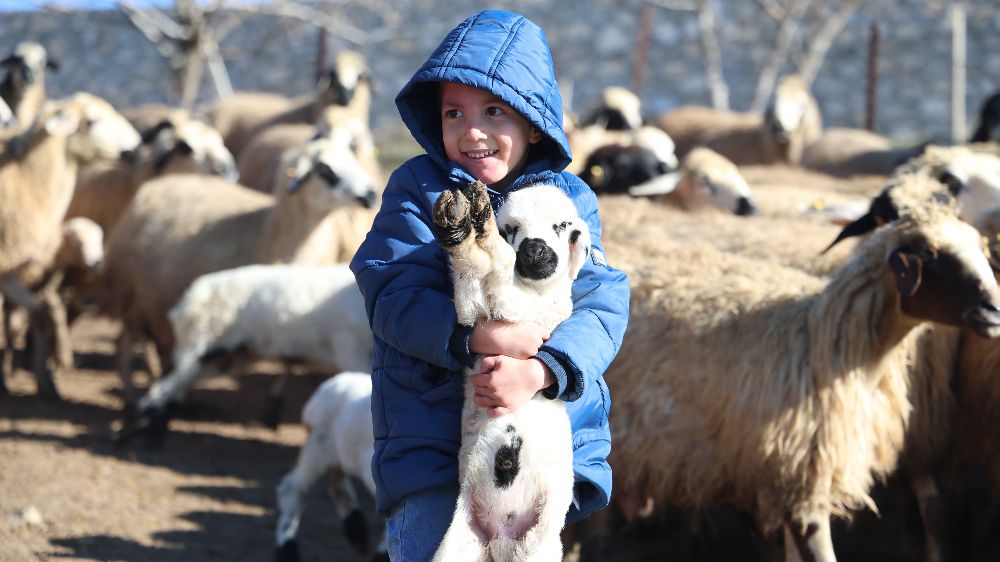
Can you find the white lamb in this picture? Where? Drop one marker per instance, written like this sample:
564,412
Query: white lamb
340,443
285,312
515,471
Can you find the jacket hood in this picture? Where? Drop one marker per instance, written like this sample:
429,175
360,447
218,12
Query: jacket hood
505,54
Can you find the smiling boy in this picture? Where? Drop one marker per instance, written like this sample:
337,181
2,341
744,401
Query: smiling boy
486,107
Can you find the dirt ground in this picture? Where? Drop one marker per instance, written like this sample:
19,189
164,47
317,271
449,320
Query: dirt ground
68,492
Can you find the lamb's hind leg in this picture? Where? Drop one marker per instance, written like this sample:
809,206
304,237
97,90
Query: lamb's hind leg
461,543
808,540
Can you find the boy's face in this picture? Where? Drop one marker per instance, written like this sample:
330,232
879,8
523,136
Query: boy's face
483,134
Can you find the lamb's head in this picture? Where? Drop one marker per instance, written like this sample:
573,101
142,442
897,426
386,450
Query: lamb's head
180,145
793,109
338,84
549,238
27,64
941,271
82,244
619,110
329,176
95,131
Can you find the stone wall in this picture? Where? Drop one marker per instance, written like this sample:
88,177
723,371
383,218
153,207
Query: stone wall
593,43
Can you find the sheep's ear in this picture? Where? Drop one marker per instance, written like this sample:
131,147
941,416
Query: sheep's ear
907,269
579,247
61,123
52,65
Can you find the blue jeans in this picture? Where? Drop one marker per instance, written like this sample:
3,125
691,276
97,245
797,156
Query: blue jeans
418,523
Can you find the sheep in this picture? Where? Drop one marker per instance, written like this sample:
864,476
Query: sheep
7,117
240,117
172,233
79,255
706,177
973,178
618,110
261,159
847,153
515,471
177,145
285,312
23,89
783,393
791,122
37,175
340,443
988,128
614,168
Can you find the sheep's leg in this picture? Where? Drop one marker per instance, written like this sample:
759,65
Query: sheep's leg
151,353
312,464
16,292
57,316
931,514
151,417
276,400
809,540
7,361
345,499
123,355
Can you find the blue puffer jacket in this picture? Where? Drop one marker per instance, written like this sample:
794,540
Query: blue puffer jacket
419,348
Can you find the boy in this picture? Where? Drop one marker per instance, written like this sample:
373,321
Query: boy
484,106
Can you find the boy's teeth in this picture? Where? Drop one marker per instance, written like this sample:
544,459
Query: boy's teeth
481,153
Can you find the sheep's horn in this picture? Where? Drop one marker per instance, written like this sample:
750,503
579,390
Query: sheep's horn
862,225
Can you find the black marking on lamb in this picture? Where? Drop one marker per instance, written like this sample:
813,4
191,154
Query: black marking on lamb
535,259
509,428
574,236
506,463
614,168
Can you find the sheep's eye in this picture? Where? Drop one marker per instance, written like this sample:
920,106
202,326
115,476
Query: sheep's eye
952,182
558,228
511,231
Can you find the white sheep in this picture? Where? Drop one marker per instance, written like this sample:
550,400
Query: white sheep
173,232
340,444
177,145
791,122
782,393
706,178
619,109
515,471
37,175
23,89
284,312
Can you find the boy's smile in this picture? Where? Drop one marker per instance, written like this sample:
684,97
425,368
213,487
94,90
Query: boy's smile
483,134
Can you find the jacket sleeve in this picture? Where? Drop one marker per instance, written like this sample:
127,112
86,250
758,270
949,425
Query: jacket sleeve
403,275
583,345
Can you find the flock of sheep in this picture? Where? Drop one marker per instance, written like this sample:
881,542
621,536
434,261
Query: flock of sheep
763,366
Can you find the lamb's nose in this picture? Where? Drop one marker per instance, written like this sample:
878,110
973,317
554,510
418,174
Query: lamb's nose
535,259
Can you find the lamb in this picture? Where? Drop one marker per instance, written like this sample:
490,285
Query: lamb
586,140
23,89
847,153
241,117
177,145
779,136
171,234
285,312
80,255
988,128
515,477
340,444
780,392
37,174
706,178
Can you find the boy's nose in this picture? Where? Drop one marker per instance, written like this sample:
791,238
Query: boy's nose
475,133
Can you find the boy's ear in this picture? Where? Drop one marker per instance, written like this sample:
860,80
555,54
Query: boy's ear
535,135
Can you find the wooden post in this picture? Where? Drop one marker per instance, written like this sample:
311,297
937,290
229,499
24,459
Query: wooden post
642,47
872,86
958,125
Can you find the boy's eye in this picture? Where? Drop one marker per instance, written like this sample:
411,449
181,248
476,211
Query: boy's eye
494,111
452,113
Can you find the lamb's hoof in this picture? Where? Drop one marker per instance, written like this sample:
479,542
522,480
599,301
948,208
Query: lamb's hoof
47,388
288,552
356,530
451,218
148,424
481,211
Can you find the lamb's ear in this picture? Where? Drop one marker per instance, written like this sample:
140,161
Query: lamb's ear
61,122
907,269
579,246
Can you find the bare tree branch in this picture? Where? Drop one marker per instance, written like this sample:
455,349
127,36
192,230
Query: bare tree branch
773,9
717,87
677,5
787,31
823,39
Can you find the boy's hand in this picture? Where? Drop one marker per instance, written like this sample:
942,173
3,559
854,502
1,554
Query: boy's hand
505,383
520,340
